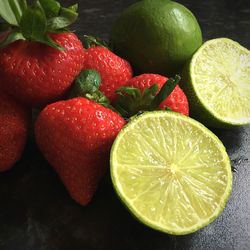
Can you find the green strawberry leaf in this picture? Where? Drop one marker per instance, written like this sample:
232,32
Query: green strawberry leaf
165,91
66,17
11,10
90,41
22,4
124,110
50,7
33,26
12,37
74,7
129,91
131,101
149,95
100,98
168,109
50,42
18,7
33,22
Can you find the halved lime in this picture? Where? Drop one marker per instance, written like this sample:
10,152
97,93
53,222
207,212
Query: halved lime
171,172
217,83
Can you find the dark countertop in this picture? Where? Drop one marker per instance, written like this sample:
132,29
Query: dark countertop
36,213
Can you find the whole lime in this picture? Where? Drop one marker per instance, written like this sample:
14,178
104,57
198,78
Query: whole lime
156,36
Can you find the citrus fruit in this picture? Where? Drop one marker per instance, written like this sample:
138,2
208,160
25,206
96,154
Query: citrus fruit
171,172
156,36
217,84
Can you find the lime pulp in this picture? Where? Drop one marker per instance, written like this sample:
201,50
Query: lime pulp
171,172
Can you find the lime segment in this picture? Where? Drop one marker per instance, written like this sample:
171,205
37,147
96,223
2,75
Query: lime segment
219,77
171,172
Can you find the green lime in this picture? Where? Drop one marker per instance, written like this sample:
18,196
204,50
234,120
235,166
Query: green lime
217,84
156,36
171,172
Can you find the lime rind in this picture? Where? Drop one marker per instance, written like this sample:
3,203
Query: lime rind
225,102
166,26
144,219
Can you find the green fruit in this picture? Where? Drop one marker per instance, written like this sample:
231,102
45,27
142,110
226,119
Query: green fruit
156,36
217,84
171,172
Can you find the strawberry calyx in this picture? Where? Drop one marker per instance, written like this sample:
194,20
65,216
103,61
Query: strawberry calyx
87,85
34,22
132,101
90,42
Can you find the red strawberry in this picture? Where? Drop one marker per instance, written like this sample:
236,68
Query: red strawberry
75,137
150,97
14,121
41,68
114,71
37,74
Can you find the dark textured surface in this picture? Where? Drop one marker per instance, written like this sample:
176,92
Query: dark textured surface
36,213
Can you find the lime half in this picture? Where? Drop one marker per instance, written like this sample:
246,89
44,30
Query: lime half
217,83
171,172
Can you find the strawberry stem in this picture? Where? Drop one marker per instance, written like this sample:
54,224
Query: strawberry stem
87,82
87,85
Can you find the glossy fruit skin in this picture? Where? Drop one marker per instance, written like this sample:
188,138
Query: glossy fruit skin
37,74
176,101
75,136
114,71
14,123
156,36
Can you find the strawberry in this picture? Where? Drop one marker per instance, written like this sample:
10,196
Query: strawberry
150,92
14,122
115,71
37,65
75,137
